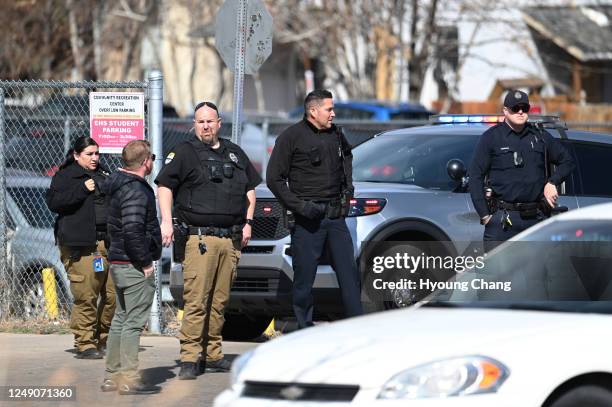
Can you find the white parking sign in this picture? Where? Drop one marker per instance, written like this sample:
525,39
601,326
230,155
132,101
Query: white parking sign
115,119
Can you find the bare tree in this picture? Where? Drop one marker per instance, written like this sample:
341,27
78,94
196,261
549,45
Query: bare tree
92,28
33,39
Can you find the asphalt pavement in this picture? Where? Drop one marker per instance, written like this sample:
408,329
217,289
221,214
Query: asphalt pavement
48,360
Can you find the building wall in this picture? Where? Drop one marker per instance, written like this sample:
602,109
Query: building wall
193,70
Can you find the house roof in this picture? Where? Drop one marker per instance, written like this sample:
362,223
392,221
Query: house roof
502,85
584,32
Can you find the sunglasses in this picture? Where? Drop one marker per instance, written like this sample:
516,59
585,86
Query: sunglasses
152,156
524,108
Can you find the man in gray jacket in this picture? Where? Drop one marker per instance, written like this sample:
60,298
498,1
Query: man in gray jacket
135,243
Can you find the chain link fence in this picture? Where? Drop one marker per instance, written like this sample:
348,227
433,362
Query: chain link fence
39,121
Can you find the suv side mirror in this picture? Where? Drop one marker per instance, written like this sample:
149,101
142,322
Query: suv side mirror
457,172
456,169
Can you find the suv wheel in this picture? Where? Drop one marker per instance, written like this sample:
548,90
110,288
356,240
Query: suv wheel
402,295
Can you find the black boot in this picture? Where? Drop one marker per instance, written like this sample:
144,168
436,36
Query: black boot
218,366
91,353
188,371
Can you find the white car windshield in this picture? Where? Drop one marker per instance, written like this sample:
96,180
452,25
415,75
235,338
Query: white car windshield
565,266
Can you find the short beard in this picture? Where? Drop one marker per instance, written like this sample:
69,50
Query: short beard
208,142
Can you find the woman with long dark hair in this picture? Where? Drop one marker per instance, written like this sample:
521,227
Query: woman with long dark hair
80,231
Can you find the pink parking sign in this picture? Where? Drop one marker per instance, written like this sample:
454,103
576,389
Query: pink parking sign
115,119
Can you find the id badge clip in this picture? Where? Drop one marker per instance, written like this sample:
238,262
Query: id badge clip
98,263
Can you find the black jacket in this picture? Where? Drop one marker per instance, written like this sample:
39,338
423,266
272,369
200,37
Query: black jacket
519,179
309,160
132,220
69,198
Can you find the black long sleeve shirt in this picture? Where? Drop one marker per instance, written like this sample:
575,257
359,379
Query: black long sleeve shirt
512,180
306,164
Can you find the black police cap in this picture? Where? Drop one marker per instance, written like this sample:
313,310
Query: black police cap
516,97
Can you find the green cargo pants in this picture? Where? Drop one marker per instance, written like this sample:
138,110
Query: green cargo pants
135,294
94,296
208,279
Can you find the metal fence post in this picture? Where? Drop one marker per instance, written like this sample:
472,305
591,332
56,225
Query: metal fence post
265,131
241,28
156,97
66,135
4,274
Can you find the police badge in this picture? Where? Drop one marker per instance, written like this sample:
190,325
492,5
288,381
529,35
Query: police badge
233,157
169,158
517,95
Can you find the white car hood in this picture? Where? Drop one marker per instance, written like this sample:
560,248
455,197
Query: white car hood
369,350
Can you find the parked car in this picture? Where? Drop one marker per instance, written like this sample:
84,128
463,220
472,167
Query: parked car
508,350
40,155
373,110
404,197
32,244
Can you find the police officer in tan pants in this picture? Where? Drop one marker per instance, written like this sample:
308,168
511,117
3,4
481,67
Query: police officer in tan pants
212,275
213,184
89,322
76,196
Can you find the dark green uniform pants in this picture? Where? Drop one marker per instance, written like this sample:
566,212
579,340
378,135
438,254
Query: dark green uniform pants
208,279
135,294
94,296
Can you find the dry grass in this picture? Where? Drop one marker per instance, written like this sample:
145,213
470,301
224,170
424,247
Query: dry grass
35,326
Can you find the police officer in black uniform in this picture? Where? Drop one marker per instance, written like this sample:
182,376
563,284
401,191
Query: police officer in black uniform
213,185
310,172
514,156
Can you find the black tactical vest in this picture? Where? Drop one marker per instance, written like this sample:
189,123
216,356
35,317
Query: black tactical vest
222,184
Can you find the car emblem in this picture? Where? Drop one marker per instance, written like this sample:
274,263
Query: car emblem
292,393
518,95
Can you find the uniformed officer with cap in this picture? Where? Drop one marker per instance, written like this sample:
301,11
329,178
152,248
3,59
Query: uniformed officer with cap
514,155
213,185
310,172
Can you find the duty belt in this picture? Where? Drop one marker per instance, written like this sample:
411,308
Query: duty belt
518,206
215,231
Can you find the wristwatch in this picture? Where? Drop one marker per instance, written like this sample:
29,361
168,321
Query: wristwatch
249,222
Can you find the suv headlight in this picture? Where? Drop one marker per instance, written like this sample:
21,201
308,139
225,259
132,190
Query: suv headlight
445,378
239,364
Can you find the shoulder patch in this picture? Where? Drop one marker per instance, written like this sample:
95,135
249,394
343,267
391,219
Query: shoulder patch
233,157
169,157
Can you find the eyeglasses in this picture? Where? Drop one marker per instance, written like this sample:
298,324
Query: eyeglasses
517,108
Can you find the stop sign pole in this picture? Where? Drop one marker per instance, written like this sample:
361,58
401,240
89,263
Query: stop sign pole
243,37
241,28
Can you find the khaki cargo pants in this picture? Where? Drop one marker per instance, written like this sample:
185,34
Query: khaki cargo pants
208,279
94,297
